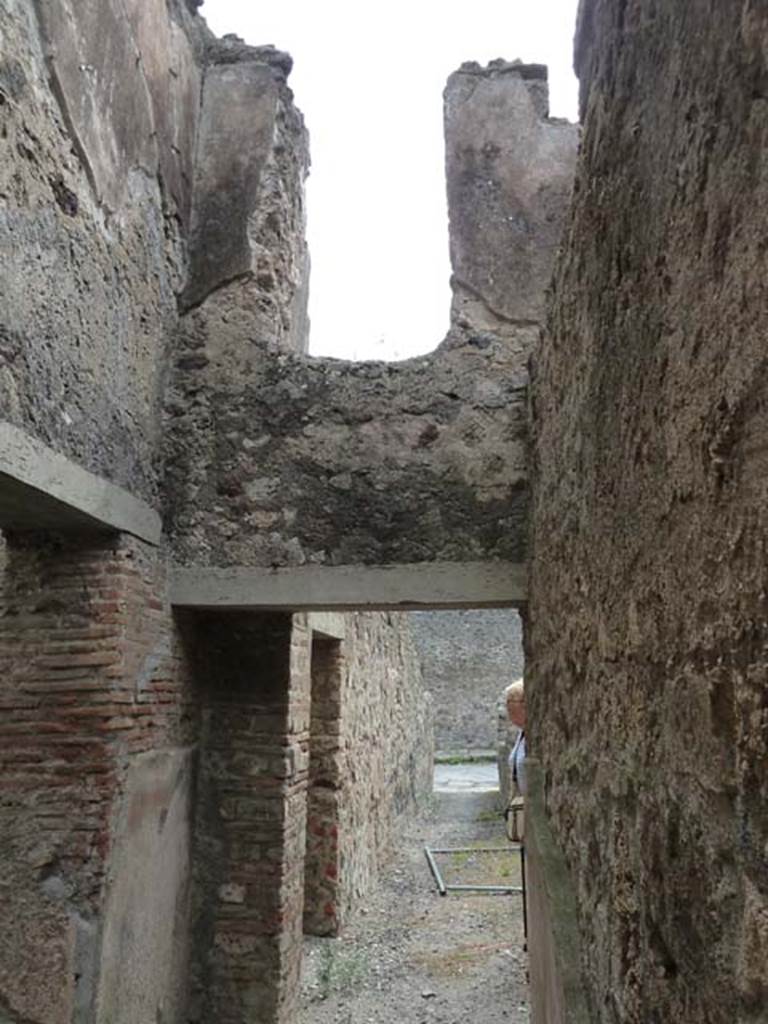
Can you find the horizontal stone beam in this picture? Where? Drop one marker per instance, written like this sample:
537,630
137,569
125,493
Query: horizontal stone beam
43,490
331,625
351,588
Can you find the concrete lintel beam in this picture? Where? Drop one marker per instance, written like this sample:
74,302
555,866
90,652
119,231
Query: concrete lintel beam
331,625
41,489
350,588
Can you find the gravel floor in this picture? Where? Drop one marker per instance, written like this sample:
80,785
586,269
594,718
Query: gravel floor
411,956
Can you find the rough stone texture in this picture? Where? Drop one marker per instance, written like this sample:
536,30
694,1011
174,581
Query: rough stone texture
92,189
248,215
645,658
140,158
276,459
371,759
281,460
509,169
467,658
252,673
92,682
279,709
146,168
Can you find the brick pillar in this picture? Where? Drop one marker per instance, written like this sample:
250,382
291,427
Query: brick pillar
321,884
89,686
253,679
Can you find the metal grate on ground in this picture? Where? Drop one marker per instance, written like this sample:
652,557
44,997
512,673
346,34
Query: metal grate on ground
485,869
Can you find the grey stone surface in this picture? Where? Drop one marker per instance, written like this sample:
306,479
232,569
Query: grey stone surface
646,646
509,168
276,459
152,335
318,587
467,658
40,489
145,938
90,242
285,460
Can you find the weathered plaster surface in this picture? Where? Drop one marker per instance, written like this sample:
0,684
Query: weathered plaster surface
646,651
247,234
92,192
145,928
509,171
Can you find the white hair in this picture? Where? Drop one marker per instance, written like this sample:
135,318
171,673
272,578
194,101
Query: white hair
515,691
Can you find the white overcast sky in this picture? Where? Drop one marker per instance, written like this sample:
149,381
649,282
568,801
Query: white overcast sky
369,80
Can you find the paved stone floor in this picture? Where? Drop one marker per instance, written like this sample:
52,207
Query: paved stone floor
411,956
482,777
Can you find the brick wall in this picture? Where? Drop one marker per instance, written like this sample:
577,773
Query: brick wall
371,760
322,881
252,679
91,681
114,720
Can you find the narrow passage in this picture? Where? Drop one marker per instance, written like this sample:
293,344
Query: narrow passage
410,956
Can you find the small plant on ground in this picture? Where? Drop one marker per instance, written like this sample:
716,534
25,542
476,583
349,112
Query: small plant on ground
341,968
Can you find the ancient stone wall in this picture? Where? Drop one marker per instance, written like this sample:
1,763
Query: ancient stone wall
96,773
152,330
275,459
645,656
252,677
145,164
467,658
97,115
154,780
370,763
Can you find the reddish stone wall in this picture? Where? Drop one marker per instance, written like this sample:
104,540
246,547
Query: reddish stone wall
322,881
113,722
90,680
252,679
372,760
648,617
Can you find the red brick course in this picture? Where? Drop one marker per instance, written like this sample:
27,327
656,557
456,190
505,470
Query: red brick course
252,675
90,674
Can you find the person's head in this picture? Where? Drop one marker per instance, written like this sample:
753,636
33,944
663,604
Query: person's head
515,698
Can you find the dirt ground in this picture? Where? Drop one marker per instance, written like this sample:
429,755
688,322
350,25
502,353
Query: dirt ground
411,956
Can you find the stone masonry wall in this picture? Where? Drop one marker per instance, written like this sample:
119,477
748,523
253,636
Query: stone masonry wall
371,760
467,658
648,623
96,149
252,679
144,164
277,459
96,778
